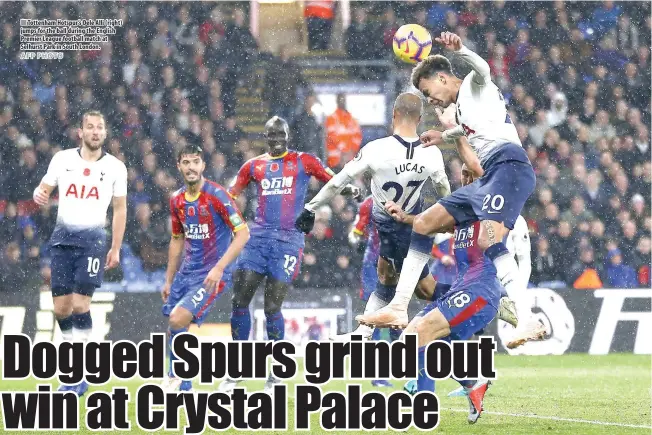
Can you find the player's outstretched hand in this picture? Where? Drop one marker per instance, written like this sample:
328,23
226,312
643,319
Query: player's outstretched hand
213,278
112,259
447,116
431,137
165,292
305,221
450,41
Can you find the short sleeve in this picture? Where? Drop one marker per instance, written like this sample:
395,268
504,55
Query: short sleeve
228,211
315,167
51,178
438,170
177,226
242,180
120,183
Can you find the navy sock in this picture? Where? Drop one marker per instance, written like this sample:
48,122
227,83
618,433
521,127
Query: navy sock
496,250
65,325
171,334
440,290
82,321
421,243
275,326
385,292
424,383
375,336
240,323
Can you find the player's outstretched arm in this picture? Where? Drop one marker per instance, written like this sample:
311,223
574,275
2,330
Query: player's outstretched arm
117,230
453,42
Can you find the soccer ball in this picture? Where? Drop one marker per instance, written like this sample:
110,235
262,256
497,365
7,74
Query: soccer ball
412,43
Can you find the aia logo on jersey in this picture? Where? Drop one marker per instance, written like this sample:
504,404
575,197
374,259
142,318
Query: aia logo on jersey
191,211
83,192
87,172
274,167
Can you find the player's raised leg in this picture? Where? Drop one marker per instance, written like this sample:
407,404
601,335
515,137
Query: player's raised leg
434,219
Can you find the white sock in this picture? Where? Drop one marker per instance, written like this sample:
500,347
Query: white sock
507,271
410,273
81,335
67,335
374,303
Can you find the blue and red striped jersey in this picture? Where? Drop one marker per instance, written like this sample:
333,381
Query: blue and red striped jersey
208,222
282,185
472,264
364,226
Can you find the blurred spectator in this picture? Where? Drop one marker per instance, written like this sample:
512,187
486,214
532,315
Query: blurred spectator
282,83
307,133
619,275
319,16
12,268
343,135
586,273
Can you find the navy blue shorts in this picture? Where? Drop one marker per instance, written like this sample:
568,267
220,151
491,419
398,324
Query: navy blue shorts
77,269
499,195
272,258
469,307
188,291
394,247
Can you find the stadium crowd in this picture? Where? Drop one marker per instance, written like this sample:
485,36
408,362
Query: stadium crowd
575,76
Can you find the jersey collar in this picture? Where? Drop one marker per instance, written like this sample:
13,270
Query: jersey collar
278,157
194,198
405,143
101,155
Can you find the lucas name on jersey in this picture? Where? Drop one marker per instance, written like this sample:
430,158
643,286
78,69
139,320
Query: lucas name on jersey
409,167
277,185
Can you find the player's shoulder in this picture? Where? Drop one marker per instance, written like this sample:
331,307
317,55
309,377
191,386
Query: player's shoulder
178,193
215,189
113,161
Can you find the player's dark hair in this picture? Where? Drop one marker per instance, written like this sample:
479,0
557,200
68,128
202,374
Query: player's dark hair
92,113
190,150
429,67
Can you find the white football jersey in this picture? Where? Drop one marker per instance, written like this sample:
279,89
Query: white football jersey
481,111
399,169
85,191
518,244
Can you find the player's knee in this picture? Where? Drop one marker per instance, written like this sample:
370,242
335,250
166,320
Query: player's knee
239,300
61,310
81,305
179,318
272,305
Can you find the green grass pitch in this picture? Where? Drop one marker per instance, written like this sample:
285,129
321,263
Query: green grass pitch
569,394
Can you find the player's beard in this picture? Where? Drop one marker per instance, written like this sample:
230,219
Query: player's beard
93,145
192,182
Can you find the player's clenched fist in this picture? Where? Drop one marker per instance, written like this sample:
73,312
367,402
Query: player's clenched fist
395,211
431,137
41,196
305,221
165,292
450,41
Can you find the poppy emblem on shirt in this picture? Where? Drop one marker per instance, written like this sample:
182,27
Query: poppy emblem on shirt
87,172
274,167
191,211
